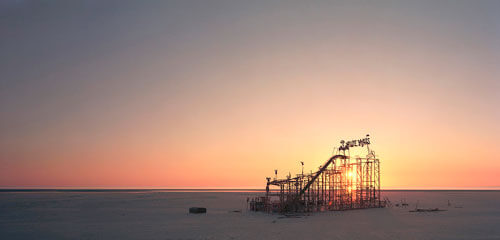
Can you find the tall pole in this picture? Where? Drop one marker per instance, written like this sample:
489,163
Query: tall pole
302,167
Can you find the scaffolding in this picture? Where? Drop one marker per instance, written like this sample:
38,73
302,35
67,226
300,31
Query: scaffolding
342,183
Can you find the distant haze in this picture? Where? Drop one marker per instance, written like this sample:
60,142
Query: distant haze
221,93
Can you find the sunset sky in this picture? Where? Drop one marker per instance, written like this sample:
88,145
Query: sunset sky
221,93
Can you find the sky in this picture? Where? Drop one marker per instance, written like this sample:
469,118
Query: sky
220,93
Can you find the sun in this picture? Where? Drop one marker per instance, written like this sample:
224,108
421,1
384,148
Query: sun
350,174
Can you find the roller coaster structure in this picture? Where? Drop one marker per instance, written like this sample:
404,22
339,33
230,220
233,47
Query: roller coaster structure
342,183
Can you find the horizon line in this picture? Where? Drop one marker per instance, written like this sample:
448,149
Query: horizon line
201,189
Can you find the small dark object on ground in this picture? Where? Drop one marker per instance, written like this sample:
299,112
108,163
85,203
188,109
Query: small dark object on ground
427,210
237,211
291,216
197,210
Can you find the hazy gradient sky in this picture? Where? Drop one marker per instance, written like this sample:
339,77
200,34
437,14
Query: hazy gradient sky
220,93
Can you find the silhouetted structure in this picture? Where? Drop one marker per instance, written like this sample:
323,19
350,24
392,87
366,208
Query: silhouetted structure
342,183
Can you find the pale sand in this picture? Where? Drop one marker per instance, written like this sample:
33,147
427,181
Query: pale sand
164,215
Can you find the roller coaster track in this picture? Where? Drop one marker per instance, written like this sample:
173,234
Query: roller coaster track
318,173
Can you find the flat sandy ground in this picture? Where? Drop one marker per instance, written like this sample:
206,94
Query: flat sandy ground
164,215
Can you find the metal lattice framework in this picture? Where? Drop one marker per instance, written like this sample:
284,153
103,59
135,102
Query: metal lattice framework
342,183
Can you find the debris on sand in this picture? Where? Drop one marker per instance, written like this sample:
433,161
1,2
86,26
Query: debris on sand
291,216
402,204
197,210
427,210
